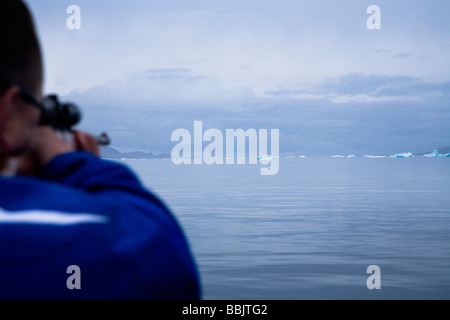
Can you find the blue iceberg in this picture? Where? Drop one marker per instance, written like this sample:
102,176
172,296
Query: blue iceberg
266,157
435,154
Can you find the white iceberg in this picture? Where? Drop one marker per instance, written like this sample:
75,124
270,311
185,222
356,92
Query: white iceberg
374,157
402,155
340,156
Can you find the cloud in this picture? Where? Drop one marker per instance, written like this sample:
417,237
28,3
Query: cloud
257,44
175,89
141,69
401,55
356,86
142,111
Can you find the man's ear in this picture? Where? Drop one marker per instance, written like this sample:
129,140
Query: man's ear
8,99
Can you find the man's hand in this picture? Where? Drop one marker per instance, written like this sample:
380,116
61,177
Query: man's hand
46,145
86,142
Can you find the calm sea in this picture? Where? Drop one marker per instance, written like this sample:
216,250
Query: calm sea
312,231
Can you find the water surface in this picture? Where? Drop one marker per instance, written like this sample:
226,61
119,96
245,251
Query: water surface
311,231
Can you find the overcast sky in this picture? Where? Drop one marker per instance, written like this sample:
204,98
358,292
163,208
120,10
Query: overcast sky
142,68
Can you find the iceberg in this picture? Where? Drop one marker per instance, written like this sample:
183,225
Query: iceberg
374,157
339,156
266,157
402,155
435,154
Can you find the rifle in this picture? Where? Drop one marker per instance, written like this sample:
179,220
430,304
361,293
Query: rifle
63,116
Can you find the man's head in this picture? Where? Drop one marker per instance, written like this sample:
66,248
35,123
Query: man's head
20,70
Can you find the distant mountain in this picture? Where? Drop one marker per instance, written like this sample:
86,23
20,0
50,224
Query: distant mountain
111,153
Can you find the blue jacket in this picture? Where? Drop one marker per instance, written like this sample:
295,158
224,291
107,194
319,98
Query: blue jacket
87,229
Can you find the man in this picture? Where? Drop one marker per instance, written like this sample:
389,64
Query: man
84,228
